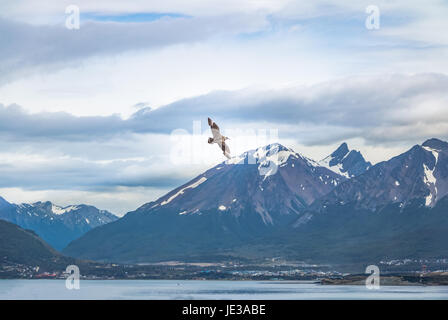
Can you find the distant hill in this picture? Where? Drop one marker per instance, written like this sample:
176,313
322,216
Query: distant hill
25,247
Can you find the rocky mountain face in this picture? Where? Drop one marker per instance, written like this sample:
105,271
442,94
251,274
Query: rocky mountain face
56,225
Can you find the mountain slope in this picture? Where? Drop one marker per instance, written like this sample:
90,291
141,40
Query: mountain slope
56,225
25,247
344,234
346,162
226,206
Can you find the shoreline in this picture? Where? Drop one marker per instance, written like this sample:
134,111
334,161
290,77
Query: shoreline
349,281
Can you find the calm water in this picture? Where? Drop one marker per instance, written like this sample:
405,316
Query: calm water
168,289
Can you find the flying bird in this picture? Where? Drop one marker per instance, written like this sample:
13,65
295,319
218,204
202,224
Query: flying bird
218,138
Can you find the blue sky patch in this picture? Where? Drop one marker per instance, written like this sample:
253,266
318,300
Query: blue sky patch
130,17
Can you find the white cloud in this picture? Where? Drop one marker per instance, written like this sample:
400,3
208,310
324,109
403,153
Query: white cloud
309,69
379,115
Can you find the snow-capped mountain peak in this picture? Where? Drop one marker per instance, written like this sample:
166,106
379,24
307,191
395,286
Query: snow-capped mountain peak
269,158
252,182
272,152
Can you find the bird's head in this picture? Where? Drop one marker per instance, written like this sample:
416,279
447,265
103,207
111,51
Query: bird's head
210,140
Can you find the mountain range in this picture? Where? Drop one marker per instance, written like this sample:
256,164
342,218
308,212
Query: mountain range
274,202
248,197
57,225
396,209
419,173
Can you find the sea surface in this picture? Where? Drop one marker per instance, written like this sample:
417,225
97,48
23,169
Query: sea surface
222,290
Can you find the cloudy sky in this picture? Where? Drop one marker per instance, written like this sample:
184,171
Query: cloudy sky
98,114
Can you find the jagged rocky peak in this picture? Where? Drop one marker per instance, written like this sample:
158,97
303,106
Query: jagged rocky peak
346,162
339,154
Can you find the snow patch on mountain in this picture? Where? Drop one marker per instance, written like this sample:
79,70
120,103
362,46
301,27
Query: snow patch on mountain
428,177
335,168
430,180
191,186
434,152
59,210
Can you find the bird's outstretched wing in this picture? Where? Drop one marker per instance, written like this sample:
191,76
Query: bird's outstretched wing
212,124
225,149
215,130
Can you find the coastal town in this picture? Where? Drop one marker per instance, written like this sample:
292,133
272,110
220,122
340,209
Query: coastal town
395,272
